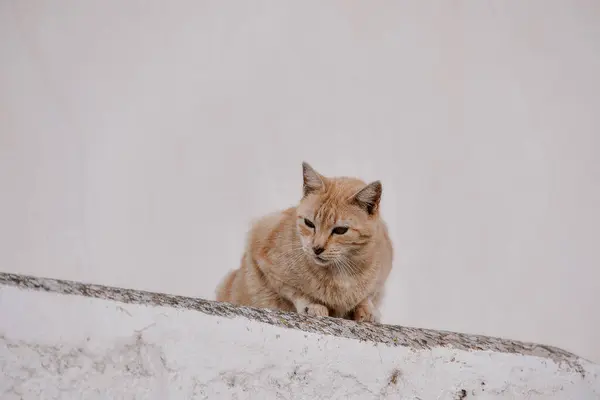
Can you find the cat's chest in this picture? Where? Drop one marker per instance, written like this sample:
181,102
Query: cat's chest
342,292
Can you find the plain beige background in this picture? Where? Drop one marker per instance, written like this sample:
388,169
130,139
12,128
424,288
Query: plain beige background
139,138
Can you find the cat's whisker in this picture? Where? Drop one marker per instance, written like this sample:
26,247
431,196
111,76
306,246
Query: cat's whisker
342,267
349,267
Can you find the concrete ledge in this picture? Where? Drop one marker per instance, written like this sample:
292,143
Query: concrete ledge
62,339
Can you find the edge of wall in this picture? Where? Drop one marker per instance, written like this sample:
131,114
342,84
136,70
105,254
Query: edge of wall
391,335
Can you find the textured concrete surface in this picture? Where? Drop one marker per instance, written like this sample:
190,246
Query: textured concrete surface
63,340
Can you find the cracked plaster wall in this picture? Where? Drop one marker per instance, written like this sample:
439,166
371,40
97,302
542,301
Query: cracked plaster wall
55,345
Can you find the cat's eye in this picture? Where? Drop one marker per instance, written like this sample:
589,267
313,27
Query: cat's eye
309,224
340,230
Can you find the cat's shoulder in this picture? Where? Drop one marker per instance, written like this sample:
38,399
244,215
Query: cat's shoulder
273,219
263,226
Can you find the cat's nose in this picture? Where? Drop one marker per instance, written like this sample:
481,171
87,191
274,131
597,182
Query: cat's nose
318,250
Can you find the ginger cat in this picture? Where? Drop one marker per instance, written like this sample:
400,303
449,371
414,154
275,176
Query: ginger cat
329,256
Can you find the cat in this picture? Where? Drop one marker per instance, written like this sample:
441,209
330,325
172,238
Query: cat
329,256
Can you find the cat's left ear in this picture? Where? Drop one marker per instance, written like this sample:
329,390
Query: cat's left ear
368,197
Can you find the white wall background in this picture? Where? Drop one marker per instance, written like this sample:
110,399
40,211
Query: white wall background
138,139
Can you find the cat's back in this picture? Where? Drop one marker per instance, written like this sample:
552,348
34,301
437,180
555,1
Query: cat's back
244,286
269,229
385,240
384,252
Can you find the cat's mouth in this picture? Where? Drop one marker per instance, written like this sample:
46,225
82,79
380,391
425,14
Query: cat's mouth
321,261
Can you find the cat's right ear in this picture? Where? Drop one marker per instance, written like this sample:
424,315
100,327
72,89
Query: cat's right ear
368,197
313,181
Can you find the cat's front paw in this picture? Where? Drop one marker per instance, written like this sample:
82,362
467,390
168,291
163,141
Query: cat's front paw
366,312
315,310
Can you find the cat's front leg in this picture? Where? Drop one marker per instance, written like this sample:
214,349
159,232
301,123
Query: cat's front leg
366,311
313,309
303,304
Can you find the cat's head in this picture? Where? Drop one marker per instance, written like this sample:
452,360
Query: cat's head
337,218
